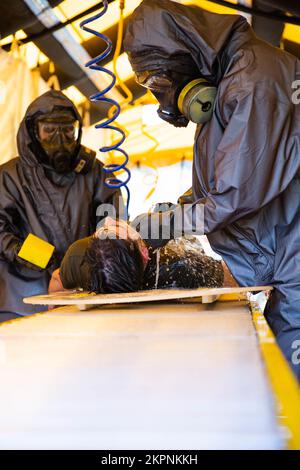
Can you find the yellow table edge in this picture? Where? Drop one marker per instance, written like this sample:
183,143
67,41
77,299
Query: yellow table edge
283,382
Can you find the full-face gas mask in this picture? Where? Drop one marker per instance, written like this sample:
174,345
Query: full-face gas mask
55,140
57,133
182,96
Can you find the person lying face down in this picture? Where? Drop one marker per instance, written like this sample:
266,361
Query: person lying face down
116,259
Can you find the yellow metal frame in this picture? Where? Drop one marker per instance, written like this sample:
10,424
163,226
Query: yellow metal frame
283,382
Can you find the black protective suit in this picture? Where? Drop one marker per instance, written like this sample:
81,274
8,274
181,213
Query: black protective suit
247,157
59,208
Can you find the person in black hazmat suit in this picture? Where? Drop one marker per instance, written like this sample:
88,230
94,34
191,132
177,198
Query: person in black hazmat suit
52,190
246,155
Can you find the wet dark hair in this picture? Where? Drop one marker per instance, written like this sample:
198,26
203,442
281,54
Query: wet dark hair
115,266
182,264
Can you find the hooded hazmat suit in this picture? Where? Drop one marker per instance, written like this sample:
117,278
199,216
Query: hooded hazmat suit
247,157
59,208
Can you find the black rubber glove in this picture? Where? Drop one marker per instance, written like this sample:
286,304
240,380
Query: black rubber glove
158,228
148,223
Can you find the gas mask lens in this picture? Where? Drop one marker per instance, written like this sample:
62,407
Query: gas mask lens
49,132
58,137
165,89
152,81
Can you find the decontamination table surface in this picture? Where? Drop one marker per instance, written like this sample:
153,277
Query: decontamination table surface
150,376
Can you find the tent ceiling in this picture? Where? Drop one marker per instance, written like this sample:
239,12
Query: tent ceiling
271,30
291,6
16,15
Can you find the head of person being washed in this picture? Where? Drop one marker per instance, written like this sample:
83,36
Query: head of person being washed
117,260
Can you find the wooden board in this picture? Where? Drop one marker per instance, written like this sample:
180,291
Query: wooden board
83,299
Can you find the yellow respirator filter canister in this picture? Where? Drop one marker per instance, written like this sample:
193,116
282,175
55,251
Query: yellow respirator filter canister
196,101
36,251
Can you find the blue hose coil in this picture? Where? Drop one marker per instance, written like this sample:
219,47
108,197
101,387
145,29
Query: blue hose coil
110,182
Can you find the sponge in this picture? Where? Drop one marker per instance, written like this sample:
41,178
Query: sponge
36,251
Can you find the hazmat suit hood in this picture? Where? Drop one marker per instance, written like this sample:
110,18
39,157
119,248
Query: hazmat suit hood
44,104
162,32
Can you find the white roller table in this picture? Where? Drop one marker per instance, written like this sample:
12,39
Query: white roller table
151,376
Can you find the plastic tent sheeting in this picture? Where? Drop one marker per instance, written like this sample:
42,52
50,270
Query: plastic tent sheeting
158,152
149,141
149,186
18,87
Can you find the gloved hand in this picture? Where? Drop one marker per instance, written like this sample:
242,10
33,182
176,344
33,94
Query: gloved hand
151,228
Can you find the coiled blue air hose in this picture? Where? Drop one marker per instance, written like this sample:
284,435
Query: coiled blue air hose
110,182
